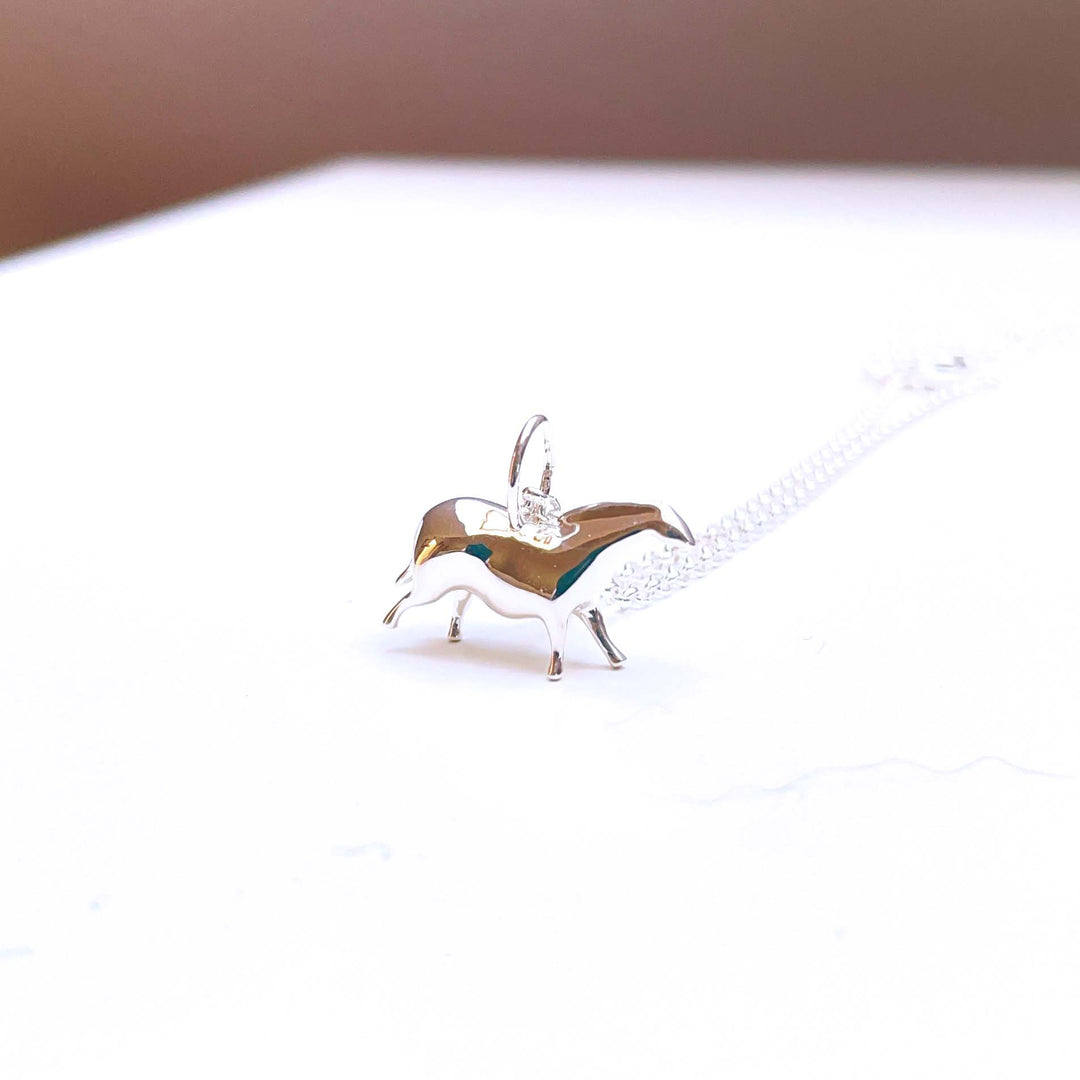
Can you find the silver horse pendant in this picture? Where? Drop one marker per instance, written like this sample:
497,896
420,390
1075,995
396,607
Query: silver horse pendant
527,559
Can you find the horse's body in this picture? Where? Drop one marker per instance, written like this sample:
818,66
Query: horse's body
549,571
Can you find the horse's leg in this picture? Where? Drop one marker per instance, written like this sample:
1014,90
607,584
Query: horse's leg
455,622
594,622
391,617
422,592
557,635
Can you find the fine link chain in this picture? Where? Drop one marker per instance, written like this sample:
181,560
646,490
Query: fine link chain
905,395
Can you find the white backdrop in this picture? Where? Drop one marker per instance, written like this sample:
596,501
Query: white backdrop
823,823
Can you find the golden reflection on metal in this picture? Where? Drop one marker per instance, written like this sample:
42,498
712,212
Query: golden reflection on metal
529,559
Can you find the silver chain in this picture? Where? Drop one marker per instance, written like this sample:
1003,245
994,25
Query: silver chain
906,393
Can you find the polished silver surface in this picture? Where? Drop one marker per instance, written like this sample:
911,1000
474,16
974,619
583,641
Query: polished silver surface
529,559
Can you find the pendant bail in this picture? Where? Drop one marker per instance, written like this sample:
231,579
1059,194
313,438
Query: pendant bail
526,505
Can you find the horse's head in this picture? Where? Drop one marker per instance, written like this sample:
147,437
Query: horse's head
626,519
672,526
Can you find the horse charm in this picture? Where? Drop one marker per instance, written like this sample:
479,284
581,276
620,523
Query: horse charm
528,559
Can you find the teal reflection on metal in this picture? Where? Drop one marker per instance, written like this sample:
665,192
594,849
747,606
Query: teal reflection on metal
575,572
480,551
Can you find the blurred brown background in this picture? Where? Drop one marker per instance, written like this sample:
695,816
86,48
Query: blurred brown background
112,107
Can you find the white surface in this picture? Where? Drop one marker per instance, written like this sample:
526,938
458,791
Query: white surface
824,824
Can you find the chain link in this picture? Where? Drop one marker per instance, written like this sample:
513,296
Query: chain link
906,393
